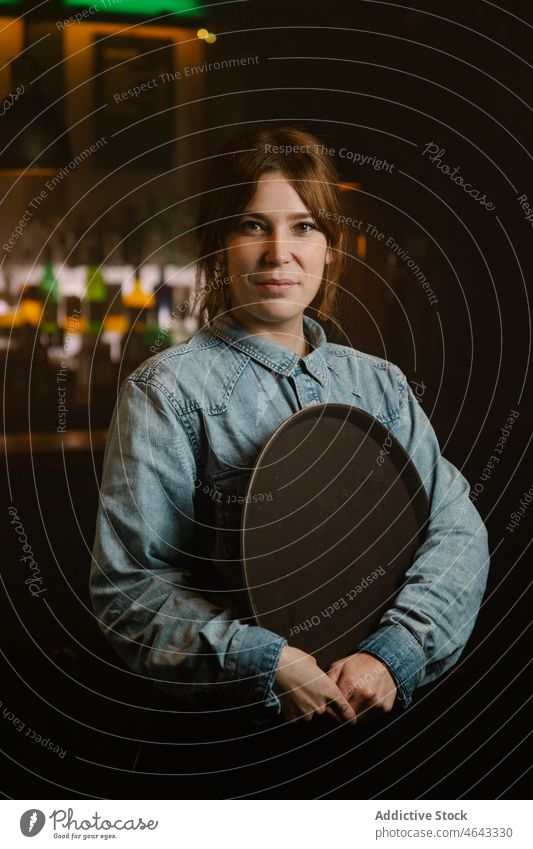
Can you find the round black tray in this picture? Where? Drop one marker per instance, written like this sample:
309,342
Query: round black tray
334,512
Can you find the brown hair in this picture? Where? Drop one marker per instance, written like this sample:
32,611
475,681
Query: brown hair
231,184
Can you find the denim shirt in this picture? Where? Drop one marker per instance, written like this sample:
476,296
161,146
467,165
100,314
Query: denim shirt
186,431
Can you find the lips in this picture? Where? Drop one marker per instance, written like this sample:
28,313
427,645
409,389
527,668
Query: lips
277,288
276,285
273,282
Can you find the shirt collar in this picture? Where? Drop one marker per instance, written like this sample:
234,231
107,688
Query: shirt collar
276,357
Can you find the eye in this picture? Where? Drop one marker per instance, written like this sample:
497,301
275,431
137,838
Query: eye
306,224
249,226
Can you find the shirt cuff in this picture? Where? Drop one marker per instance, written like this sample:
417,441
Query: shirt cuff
401,653
251,663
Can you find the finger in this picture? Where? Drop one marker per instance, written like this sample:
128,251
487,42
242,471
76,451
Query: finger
334,672
343,710
366,707
331,713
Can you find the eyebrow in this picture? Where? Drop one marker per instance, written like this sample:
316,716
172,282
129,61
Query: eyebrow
292,216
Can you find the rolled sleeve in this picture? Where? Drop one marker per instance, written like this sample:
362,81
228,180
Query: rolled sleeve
426,629
252,662
401,653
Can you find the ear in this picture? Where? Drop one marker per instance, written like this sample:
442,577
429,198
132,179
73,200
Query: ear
329,257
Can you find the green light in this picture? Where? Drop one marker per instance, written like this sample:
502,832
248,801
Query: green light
145,8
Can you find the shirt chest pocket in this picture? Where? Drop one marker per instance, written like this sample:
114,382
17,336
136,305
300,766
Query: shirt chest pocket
379,408
379,398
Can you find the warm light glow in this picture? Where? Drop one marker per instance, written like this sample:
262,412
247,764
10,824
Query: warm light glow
361,245
10,319
211,38
137,299
116,324
74,325
29,311
202,33
28,172
345,187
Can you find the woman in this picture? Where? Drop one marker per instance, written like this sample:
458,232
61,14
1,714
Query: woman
186,431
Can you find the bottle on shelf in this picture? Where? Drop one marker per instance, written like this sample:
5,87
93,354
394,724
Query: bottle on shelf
95,298
51,331
30,307
140,305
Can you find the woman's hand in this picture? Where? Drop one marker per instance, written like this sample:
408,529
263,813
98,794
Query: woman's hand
366,683
305,690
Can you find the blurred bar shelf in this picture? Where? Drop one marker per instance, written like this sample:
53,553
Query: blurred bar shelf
43,442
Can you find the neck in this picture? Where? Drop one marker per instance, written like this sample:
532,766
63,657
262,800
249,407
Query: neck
289,333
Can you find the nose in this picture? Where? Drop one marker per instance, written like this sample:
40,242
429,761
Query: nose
277,249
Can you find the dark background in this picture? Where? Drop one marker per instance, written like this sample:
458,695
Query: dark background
383,80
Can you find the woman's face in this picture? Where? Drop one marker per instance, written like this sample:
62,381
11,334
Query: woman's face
275,254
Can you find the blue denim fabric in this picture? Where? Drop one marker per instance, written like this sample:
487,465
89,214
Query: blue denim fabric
185,434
